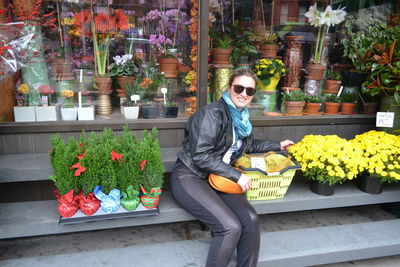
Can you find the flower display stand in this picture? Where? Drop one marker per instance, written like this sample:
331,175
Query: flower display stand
86,113
69,114
46,113
24,114
79,217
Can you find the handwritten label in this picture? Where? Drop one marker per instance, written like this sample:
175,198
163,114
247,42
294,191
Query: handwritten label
384,119
258,163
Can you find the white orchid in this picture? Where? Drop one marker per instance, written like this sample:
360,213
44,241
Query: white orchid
122,60
313,15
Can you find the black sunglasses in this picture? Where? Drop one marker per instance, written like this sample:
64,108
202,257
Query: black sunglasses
250,91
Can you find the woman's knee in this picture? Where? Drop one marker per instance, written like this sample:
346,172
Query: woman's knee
253,221
229,226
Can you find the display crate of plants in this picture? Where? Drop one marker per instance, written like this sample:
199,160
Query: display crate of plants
105,176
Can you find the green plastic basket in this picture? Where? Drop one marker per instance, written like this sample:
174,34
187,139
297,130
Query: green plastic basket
270,185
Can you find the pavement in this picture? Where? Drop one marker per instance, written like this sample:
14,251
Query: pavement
130,236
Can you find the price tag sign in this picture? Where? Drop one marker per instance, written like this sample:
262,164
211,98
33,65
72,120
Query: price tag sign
135,97
164,90
384,119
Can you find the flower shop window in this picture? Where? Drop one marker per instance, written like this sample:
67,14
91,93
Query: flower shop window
307,37
108,53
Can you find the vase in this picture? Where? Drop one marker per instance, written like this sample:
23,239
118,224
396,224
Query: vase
312,109
103,105
86,113
169,66
294,108
348,108
293,59
131,113
46,113
273,82
269,50
170,112
103,84
222,55
370,184
332,87
151,198
331,108
69,114
24,114
123,81
323,189
316,71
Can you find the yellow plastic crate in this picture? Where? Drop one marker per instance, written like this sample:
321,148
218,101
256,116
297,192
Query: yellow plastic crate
268,185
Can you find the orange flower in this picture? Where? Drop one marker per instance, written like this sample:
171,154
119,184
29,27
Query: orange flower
82,22
121,20
103,23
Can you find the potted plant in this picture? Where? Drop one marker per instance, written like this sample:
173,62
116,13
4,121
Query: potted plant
269,47
124,69
269,71
130,108
23,112
336,161
380,160
313,105
242,50
68,110
171,109
331,104
348,103
46,111
333,82
319,19
151,176
222,47
85,107
294,102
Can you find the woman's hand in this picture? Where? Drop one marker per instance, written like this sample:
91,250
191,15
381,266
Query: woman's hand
286,144
244,182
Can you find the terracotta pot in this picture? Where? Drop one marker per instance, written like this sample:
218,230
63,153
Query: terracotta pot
331,107
124,80
222,55
316,71
369,108
257,44
348,108
169,66
103,84
269,50
290,89
313,108
294,108
183,68
121,93
332,87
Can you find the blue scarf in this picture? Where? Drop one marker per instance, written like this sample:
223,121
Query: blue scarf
240,119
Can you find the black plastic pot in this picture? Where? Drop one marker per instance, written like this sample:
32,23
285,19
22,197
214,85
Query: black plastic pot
150,112
170,112
323,189
370,184
353,78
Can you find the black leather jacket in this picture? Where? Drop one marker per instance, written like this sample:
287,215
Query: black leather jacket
209,135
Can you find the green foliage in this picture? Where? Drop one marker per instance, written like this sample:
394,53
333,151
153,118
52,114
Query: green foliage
149,149
348,98
296,95
333,75
171,104
126,69
221,40
313,99
62,157
331,98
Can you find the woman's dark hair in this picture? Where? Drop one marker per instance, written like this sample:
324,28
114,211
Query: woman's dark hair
242,72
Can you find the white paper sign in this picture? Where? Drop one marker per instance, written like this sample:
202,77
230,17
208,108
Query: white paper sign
258,163
164,90
135,97
384,119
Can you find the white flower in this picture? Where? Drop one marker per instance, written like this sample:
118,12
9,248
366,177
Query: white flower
313,15
338,16
326,16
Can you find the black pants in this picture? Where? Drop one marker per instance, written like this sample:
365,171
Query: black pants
230,217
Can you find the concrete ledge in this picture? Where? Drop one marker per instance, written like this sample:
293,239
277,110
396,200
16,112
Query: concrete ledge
300,247
35,218
37,166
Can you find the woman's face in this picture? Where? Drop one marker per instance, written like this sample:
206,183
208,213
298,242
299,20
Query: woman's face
241,99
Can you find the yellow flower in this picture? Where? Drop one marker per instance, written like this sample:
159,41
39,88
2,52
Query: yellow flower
67,93
23,89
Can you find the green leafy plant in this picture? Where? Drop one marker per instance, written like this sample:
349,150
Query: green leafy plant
264,36
348,98
333,75
171,104
313,99
243,48
149,154
266,69
296,95
331,98
221,40
123,66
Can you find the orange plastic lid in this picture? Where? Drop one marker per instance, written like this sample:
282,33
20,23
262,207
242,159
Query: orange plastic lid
224,184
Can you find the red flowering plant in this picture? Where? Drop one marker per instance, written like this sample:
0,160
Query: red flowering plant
46,92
